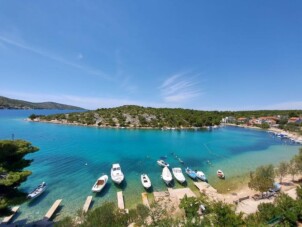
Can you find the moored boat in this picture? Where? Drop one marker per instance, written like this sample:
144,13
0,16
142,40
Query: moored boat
178,175
166,175
200,175
116,173
162,163
100,183
146,181
191,173
220,174
37,191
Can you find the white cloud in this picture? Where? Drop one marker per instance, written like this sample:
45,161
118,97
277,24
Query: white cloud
180,88
86,69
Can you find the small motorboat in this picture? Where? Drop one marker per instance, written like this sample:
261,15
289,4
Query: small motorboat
191,173
117,175
166,175
200,175
38,191
162,163
145,181
178,175
100,184
220,174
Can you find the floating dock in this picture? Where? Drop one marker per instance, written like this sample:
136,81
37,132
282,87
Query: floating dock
53,209
8,218
145,199
87,204
120,200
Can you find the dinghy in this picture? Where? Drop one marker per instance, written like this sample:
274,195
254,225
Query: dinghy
200,175
100,184
145,181
162,163
178,175
220,174
117,175
38,191
166,175
191,173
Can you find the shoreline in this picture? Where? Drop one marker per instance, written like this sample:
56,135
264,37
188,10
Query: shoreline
291,135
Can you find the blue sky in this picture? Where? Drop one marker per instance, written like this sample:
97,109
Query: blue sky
211,55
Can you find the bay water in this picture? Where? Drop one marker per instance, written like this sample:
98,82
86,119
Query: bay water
71,158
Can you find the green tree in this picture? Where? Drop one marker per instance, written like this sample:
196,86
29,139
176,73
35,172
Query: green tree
293,168
12,173
282,169
224,215
262,179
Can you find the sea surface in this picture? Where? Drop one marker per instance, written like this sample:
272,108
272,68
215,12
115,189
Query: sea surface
71,158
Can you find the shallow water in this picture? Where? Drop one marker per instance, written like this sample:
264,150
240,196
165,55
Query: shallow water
65,150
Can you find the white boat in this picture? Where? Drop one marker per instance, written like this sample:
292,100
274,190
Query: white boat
100,184
145,181
38,191
166,175
200,175
178,175
220,174
116,173
162,163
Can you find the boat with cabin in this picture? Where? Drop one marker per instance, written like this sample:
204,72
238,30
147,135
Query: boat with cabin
166,175
200,175
177,172
117,175
146,181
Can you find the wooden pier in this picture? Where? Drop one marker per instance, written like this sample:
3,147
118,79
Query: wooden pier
53,209
120,200
145,199
87,204
8,218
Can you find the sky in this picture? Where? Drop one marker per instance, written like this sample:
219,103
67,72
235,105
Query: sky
207,55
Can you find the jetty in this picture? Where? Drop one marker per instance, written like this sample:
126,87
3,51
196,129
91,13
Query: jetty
87,204
120,200
53,209
9,218
145,199
209,191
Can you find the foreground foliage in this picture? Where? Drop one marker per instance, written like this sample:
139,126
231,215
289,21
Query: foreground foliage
12,173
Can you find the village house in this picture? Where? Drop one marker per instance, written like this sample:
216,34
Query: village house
295,120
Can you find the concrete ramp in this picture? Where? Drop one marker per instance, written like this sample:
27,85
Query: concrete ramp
53,209
9,218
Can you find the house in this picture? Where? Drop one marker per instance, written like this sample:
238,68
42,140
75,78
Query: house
242,120
295,120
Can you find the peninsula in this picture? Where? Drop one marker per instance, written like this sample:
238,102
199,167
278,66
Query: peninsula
7,103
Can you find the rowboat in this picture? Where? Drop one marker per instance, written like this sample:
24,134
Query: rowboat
100,183
220,174
145,181
162,163
37,191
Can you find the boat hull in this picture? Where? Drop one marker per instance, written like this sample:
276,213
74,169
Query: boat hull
166,175
146,181
98,188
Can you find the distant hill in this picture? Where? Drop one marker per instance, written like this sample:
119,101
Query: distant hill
7,103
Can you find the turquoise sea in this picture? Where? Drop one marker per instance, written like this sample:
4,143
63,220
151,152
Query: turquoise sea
65,150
